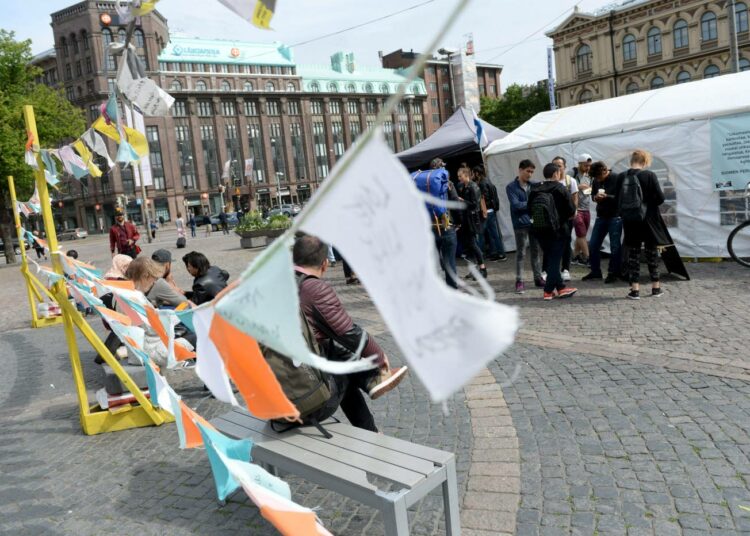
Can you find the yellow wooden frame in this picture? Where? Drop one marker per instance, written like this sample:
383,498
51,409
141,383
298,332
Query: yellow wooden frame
94,420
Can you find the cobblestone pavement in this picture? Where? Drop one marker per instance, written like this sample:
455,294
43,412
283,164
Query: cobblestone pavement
610,447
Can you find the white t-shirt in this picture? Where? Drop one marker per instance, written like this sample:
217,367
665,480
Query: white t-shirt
571,184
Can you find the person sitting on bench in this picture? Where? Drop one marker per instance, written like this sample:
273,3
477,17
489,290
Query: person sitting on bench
338,336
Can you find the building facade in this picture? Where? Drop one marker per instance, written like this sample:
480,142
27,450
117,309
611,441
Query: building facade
645,44
443,80
249,126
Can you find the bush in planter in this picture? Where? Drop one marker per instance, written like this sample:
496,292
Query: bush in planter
279,221
253,221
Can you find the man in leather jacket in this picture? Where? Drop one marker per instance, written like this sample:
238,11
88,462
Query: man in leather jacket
209,280
337,334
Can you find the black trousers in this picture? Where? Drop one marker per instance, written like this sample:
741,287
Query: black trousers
346,393
470,243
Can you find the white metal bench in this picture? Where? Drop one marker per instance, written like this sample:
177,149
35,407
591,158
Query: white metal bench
343,463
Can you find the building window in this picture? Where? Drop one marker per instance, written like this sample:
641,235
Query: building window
585,96
111,86
185,156
682,77
128,184
708,27
433,87
89,86
228,108
277,152
121,34
436,119
388,131
352,107
654,41
632,88
680,34
321,149
334,107
68,72
175,86
251,108
89,66
316,107
351,88
337,131
403,135
233,153
369,88
223,68
154,155
70,94
584,58
371,106
628,48
298,151
355,128
446,87
711,71
74,43
333,87
248,86
205,108
200,85
179,109
314,87
273,107
740,17
256,152
140,40
270,86
64,47
744,64
225,86
657,82
418,131
293,107
85,39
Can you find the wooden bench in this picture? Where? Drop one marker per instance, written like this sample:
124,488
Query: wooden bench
343,463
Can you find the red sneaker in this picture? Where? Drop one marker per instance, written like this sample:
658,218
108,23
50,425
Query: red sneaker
567,292
549,295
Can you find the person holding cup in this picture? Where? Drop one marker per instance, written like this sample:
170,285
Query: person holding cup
605,191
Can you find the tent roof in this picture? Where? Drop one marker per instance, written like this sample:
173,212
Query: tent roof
455,137
722,95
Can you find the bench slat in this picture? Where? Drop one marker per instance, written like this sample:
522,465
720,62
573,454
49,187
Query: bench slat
393,473
265,445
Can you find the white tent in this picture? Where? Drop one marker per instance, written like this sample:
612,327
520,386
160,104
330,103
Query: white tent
698,133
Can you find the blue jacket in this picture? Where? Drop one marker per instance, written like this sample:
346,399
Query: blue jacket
438,187
519,210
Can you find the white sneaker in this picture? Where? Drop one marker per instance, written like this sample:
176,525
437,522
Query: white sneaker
544,275
565,275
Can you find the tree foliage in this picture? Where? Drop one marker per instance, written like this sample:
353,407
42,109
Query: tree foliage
517,105
57,120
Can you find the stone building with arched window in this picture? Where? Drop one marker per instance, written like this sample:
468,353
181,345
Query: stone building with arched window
641,45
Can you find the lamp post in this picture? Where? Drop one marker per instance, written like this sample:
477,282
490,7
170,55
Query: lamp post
449,53
279,174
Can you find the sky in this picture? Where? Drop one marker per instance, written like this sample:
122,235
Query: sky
509,33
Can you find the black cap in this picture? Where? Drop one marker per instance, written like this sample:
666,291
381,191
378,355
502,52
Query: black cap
161,256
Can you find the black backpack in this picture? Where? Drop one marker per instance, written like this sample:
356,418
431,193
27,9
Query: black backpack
543,212
632,207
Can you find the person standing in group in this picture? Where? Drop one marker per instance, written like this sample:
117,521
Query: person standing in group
224,221
437,183
153,227
207,223
572,186
179,224
582,220
192,224
471,225
605,191
123,236
551,208
38,247
495,247
640,200
518,196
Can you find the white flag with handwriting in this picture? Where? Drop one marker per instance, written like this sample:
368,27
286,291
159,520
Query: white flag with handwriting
375,216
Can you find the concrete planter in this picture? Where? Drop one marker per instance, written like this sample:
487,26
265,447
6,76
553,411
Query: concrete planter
258,239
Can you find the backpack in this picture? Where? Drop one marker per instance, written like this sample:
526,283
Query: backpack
632,207
308,388
543,212
181,242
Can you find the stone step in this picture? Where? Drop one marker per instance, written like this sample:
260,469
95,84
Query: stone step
114,386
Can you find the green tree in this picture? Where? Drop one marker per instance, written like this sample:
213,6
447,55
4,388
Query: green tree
517,105
56,119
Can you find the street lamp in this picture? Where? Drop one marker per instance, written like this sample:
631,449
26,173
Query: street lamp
279,174
449,53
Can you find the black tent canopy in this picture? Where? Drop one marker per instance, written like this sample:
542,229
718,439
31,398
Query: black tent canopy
456,137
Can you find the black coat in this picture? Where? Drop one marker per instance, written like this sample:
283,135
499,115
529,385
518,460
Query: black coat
208,285
566,209
471,215
652,230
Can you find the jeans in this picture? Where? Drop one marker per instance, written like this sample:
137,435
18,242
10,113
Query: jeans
331,256
602,228
446,243
553,247
491,229
192,231
523,241
471,247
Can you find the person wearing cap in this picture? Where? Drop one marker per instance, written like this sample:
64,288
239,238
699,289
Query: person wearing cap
165,292
582,221
123,236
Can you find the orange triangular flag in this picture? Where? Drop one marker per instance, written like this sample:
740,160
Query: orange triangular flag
114,316
127,285
123,305
180,352
193,437
291,523
254,378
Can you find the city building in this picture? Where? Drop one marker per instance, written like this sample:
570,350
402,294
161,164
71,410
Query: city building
640,45
249,127
448,88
